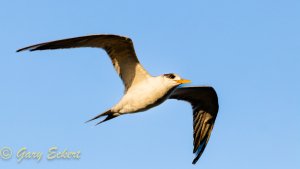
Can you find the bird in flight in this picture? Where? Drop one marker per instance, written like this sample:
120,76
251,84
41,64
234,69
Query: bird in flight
143,91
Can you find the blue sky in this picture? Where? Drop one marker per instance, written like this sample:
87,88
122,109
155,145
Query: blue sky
247,50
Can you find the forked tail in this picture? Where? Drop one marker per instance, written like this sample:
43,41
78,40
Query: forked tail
109,115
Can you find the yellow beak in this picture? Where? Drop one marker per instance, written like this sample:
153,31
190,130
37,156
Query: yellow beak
182,81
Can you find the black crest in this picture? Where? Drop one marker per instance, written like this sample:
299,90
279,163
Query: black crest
170,75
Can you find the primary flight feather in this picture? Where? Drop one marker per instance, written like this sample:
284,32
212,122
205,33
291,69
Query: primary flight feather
143,91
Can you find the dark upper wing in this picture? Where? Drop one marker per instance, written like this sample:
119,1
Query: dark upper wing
205,105
120,50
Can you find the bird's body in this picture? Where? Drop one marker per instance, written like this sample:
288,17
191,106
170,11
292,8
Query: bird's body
143,91
144,95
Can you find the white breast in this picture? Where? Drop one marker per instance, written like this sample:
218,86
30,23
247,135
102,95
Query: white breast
146,94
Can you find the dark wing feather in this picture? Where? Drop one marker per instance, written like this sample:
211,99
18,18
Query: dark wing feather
204,101
120,50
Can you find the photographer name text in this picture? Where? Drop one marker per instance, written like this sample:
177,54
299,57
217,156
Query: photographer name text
23,153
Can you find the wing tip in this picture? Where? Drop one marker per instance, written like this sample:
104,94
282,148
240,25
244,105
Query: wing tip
20,50
30,49
199,153
42,47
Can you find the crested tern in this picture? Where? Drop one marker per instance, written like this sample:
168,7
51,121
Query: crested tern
143,91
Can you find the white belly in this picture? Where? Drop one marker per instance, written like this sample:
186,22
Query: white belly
143,97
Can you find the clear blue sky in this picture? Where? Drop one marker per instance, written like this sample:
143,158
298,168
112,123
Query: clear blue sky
247,50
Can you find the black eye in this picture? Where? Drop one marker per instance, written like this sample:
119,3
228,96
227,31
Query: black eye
170,76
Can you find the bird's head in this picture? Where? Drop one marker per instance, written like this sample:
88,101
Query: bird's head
174,79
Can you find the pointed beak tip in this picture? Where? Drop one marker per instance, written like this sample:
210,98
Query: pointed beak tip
183,81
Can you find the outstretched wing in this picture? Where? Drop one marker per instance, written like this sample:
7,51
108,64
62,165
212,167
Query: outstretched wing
204,101
120,50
